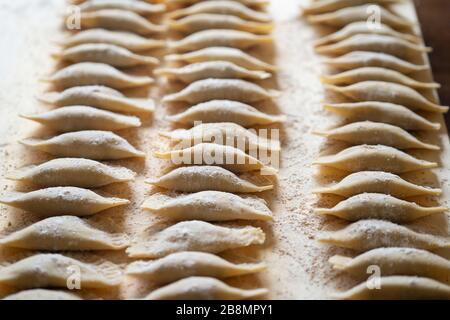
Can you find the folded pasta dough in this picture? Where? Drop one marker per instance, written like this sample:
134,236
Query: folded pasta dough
91,144
204,178
177,266
65,233
203,288
194,236
59,201
76,172
209,206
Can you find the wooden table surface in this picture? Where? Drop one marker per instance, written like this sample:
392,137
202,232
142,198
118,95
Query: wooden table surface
435,22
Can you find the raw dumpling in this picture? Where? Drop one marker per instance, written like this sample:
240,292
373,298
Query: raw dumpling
75,172
65,233
209,206
376,74
217,38
368,132
228,157
222,7
375,42
325,6
95,145
361,27
375,158
126,40
216,111
254,3
223,133
55,270
194,236
360,59
116,19
396,261
205,21
181,265
105,53
214,89
378,182
379,206
203,178
384,112
233,55
98,97
42,294
388,92
345,16
366,235
140,7
211,69
78,118
399,288
60,201
91,73
203,288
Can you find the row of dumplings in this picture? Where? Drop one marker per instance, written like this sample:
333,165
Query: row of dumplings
378,75
89,109
218,78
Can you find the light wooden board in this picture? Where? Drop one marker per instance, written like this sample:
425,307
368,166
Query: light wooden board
297,264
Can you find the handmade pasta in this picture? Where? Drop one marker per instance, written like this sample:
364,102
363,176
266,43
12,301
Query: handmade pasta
233,55
78,118
205,21
203,178
361,27
140,7
377,43
65,233
388,92
256,3
105,53
218,38
211,69
194,236
374,158
60,201
213,89
345,16
376,74
224,133
203,288
222,7
399,287
360,59
384,112
216,111
377,182
228,157
396,261
379,206
366,235
92,73
126,40
181,265
116,19
53,270
209,206
42,294
98,97
325,6
95,145
75,172
367,132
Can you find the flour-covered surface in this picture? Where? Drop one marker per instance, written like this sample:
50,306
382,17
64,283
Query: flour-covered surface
297,264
